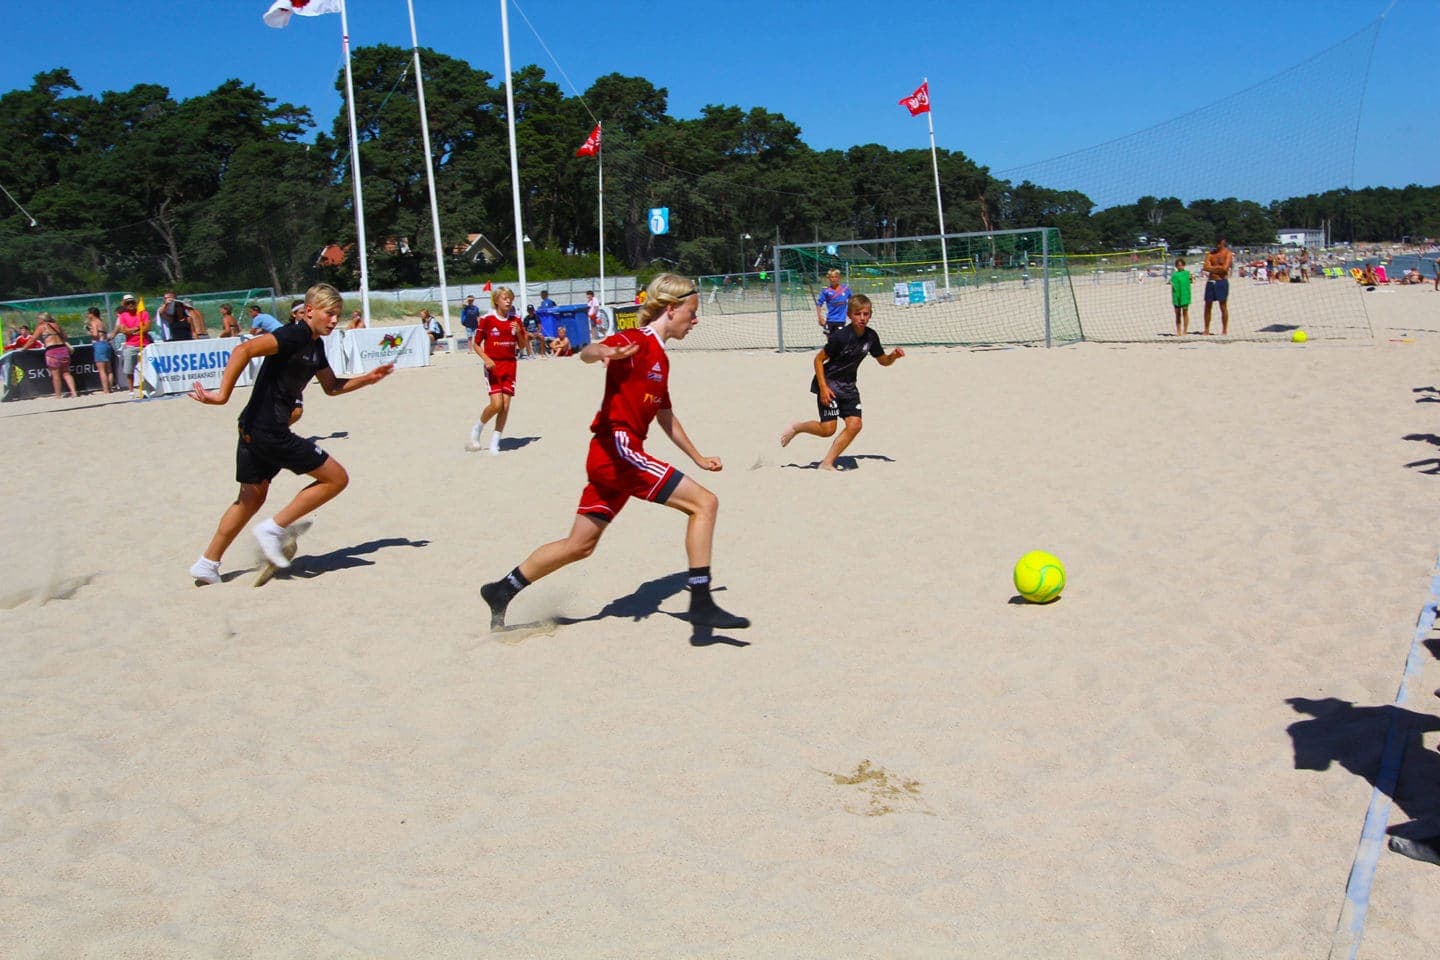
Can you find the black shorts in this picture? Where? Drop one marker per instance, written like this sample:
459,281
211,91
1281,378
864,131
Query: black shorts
842,405
260,456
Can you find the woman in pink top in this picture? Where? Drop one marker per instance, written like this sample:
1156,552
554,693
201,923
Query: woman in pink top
135,324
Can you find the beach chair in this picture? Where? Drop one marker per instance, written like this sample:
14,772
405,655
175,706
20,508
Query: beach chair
1380,274
1357,273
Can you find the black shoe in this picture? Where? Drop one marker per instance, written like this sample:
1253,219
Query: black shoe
709,615
497,602
1426,849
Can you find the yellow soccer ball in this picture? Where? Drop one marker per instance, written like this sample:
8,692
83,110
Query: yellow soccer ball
1299,336
1039,576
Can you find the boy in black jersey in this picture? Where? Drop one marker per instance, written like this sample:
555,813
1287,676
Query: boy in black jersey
834,384
293,355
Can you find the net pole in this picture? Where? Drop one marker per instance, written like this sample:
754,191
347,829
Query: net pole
939,207
779,314
429,169
1045,277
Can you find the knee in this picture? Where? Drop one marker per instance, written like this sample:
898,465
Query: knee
252,497
853,425
341,480
827,429
707,506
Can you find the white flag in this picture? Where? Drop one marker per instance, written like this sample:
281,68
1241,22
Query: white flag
281,10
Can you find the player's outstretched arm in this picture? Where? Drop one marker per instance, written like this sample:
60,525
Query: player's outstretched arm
886,359
604,353
334,386
240,357
678,436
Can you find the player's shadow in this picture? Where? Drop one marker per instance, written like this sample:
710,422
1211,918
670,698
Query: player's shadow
1431,394
1430,465
517,443
644,602
845,463
309,567
1337,731
337,435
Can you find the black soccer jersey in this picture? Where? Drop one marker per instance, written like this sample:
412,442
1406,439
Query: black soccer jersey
282,378
844,351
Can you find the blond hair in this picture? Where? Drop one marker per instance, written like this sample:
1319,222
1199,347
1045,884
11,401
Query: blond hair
665,290
501,291
324,296
858,301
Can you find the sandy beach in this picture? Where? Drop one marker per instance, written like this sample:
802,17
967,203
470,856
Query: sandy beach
897,760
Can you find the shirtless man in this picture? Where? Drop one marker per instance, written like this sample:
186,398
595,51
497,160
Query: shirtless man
1217,285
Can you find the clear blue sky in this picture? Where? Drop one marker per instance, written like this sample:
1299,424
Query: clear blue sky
1012,84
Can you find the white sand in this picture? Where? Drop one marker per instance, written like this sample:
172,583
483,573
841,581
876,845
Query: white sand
346,763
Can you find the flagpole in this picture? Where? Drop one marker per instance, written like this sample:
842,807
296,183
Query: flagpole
939,207
355,167
429,170
600,159
514,155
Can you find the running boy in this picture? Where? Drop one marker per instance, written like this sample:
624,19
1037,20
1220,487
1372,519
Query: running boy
834,383
618,468
497,342
1180,297
293,354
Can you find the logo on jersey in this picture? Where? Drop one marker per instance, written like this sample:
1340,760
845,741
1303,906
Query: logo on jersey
656,373
651,398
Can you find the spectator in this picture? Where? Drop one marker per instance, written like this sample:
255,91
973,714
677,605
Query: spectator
57,353
357,320
470,317
262,322
297,311
432,327
229,326
175,318
535,333
562,347
103,351
134,324
1368,278
592,308
23,339
545,302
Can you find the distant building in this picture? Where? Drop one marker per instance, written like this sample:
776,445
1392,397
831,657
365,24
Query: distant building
1301,237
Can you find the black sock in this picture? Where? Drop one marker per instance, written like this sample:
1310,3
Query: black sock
699,583
512,584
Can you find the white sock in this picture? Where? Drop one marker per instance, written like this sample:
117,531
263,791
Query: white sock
495,442
271,526
475,432
212,564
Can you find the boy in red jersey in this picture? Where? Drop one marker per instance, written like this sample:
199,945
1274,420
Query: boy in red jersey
636,393
497,342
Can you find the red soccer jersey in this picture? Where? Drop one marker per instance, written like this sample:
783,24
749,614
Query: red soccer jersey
637,387
499,337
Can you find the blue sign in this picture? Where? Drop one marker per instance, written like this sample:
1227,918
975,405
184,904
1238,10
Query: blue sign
831,249
659,218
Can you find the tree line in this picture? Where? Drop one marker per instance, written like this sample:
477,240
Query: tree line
134,189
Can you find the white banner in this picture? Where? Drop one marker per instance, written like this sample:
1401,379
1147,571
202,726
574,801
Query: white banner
359,351
173,367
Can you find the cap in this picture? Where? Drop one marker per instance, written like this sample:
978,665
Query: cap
128,298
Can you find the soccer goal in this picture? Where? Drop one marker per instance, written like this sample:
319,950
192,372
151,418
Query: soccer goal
1002,286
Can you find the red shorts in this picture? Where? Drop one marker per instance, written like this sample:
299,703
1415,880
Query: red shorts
502,378
618,468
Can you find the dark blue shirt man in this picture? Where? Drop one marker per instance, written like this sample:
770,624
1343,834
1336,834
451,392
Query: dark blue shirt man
470,316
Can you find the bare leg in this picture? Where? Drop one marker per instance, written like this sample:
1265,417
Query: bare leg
1179,329
584,534
330,480
70,382
851,431
233,520
502,416
813,427
1208,305
1224,317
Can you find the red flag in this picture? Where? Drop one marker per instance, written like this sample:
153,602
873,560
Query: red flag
486,287
280,11
919,101
591,146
